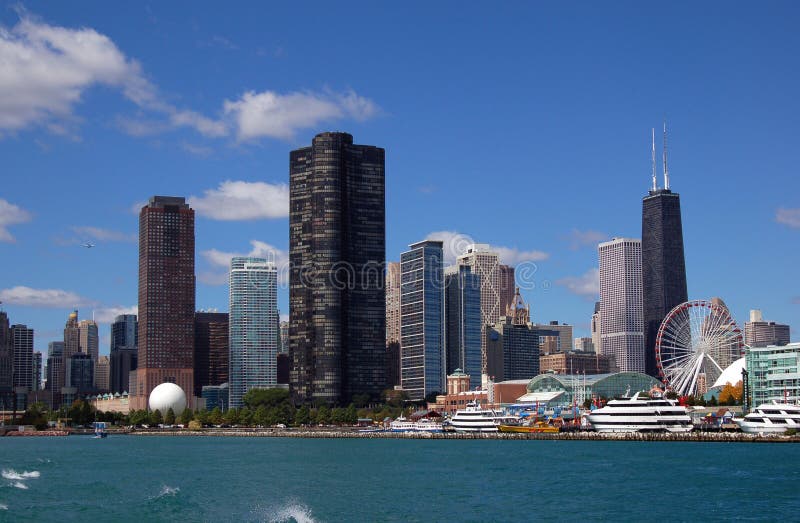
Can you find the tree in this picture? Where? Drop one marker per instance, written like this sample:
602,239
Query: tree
186,417
215,417
337,416
245,417
156,418
324,415
260,416
169,418
139,417
351,415
253,398
303,416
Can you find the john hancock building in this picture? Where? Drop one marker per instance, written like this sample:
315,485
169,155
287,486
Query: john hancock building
166,298
337,242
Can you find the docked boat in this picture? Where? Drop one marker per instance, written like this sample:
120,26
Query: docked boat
642,413
100,429
770,418
473,418
540,427
403,424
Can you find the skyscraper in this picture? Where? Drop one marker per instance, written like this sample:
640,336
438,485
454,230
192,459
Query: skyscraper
89,339
463,313
102,374
422,350
507,286
6,363
760,333
253,334
72,336
621,322
486,264
392,302
124,351
55,373
663,264
211,349
513,344
36,370
166,298
22,338
337,304
595,327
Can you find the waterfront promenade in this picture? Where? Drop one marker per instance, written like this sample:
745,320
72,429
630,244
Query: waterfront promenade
328,433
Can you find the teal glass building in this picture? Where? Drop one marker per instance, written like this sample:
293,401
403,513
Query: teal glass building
252,327
422,338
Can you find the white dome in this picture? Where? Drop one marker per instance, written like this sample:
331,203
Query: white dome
168,396
732,375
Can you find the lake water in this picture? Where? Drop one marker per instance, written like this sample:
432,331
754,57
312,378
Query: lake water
128,478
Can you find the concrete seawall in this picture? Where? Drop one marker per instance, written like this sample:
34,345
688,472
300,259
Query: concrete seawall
728,437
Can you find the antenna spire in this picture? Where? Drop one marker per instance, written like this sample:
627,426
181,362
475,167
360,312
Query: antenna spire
655,186
666,171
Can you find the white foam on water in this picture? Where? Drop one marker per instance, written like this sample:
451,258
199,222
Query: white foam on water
3,507
21,485
293,512
165,491
14,475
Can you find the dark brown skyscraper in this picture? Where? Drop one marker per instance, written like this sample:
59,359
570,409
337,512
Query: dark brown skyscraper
337,251
505,274
663,264
211,349
166,297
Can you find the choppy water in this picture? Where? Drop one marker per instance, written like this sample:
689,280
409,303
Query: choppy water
126,478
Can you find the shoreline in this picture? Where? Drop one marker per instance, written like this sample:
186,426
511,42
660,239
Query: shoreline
722,437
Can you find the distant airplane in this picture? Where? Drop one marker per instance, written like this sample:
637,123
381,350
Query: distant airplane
88,245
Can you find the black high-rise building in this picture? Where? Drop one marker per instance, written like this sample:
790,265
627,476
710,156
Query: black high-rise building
211,349
663,264
336,286
124,351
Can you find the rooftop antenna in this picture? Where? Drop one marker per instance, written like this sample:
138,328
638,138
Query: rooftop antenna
666,171
655,186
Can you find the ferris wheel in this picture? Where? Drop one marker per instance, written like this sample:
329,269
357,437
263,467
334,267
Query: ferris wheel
696,341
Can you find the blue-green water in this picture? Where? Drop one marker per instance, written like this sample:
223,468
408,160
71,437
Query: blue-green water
126,478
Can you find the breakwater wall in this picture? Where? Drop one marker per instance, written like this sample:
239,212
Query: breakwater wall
728,437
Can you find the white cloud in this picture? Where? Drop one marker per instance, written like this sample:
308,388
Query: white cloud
455,244
49,298
221,259
104,235
514,256
45,70
586,285
275,115
197,150
109,314
790,217
10,214
237,200
589,238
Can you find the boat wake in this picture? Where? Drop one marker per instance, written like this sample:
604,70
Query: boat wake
166,491
3,507
14,475
290,513
21,485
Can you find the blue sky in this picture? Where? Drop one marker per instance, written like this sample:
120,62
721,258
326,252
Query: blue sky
526,126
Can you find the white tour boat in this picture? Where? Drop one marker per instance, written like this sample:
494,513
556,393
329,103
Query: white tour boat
473,418
402,424
641,413
771,418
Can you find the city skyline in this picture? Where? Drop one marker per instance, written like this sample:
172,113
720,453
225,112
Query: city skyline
584,150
